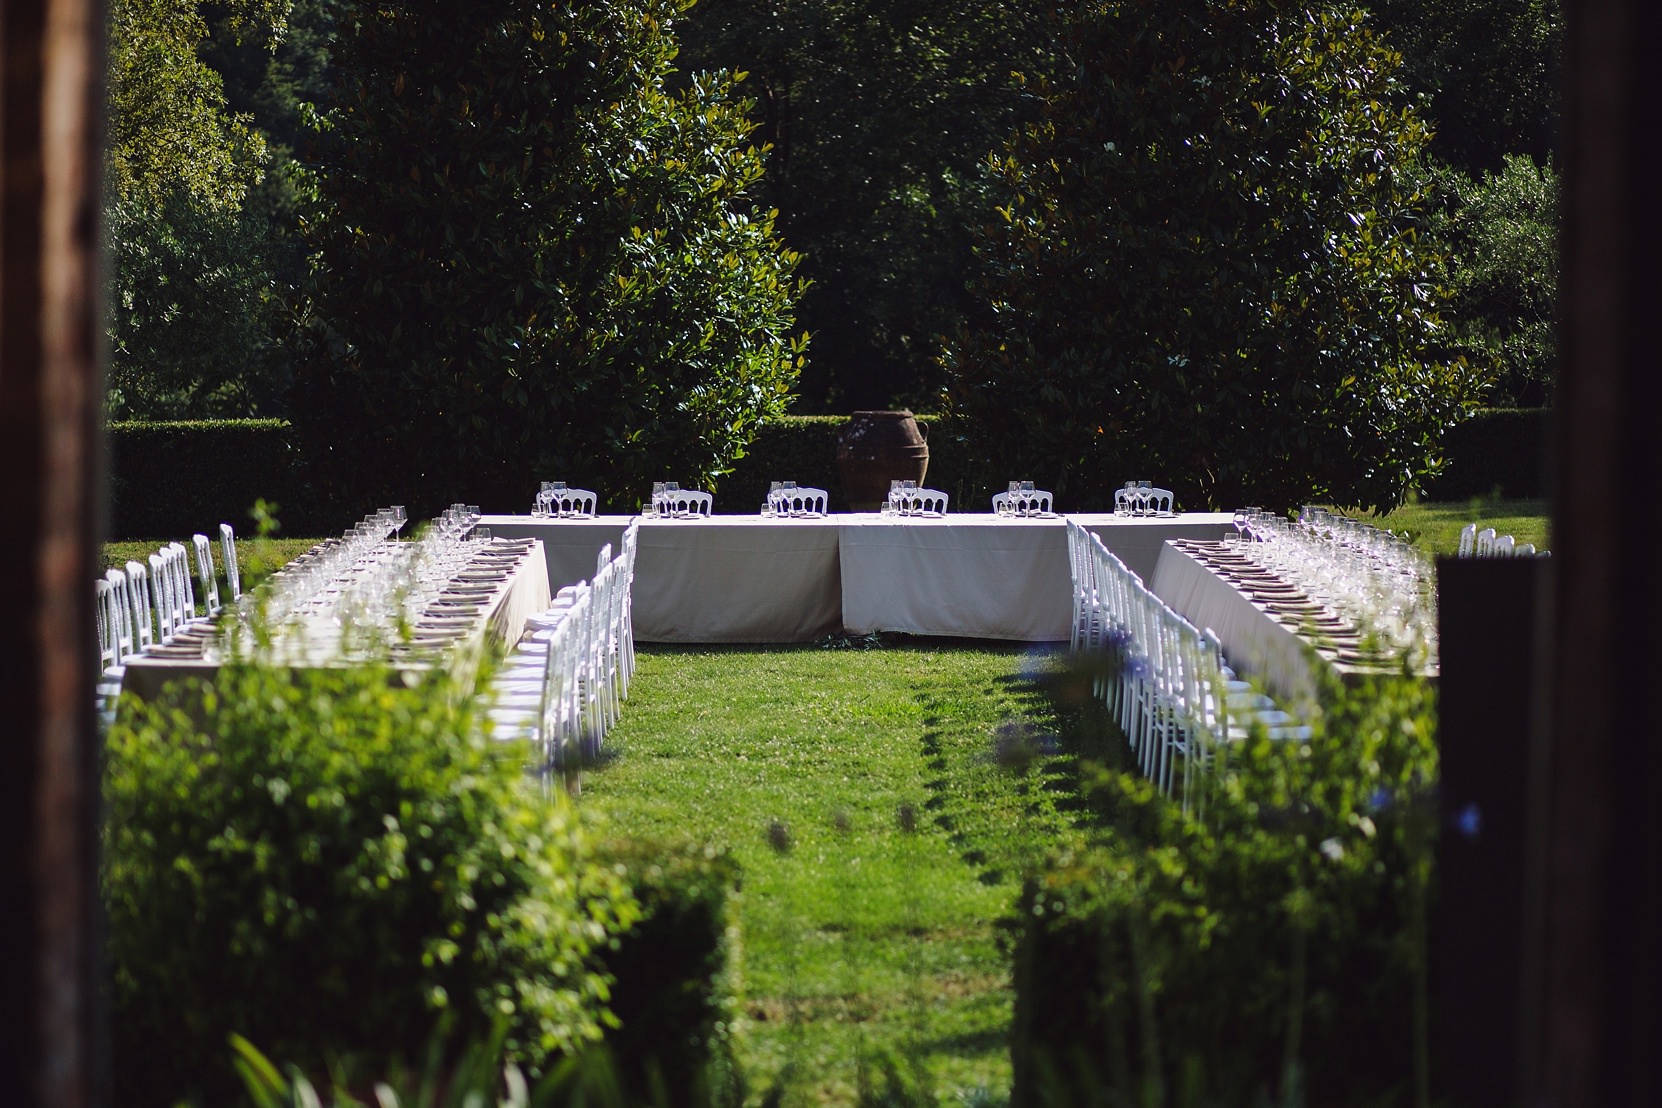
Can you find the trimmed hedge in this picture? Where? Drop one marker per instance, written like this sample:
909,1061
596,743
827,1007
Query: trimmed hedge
1499,452
169,480
673,985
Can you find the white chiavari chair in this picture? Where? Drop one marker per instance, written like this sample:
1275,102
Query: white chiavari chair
142,605
111,662
800,501
1014,503
228,554
687,503
629,543
1485,543
207,580
928,500
1468,540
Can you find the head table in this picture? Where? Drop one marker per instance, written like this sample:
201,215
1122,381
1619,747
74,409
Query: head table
755,579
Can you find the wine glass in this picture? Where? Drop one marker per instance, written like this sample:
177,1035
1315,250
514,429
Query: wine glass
1240,522
1026,491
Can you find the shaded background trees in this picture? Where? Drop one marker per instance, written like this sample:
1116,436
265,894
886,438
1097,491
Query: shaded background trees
877,119
879,114
194,312
1208,266
536,260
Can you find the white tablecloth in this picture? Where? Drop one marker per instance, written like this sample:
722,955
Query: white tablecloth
1254,643
737,579
570,546
1137,540
734,578
980,576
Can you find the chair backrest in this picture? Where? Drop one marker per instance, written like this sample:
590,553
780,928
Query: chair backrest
1158,501
142,604
568,502
929,500
603,557
801,501
1122,500
205,575
689,502
184,595
161,595
228,552
1036,501
1505,546
109,624
1468,540
122,610
1523,549
1485,545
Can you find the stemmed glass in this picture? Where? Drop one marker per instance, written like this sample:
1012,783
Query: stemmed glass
908,497
1240,523
1025,492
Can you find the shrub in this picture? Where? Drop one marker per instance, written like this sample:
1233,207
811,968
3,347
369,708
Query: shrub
672,985
1273,952
326,863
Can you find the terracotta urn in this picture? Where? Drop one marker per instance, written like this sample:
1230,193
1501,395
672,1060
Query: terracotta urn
876,448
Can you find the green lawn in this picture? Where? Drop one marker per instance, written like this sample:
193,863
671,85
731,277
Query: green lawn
871,799
1436,527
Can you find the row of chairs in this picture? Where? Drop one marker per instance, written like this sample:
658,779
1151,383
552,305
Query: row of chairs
1173,695
1487,544
562,686
158,606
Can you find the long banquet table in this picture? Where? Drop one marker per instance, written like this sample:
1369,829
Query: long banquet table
523,593
733,578
1280,649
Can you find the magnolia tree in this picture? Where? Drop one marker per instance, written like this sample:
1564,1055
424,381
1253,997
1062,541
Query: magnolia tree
537,261
1208,271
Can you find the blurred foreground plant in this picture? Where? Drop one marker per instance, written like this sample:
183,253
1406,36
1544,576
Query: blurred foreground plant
326,862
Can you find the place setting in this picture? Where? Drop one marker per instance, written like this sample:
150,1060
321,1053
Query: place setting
1022,501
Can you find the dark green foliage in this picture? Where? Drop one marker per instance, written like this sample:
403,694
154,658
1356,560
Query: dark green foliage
1502,230
199,283
1208,270
1500,451
326,864
1274,953
672,975
193,310
796,448
534,259
171,480
1489,70
879,113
